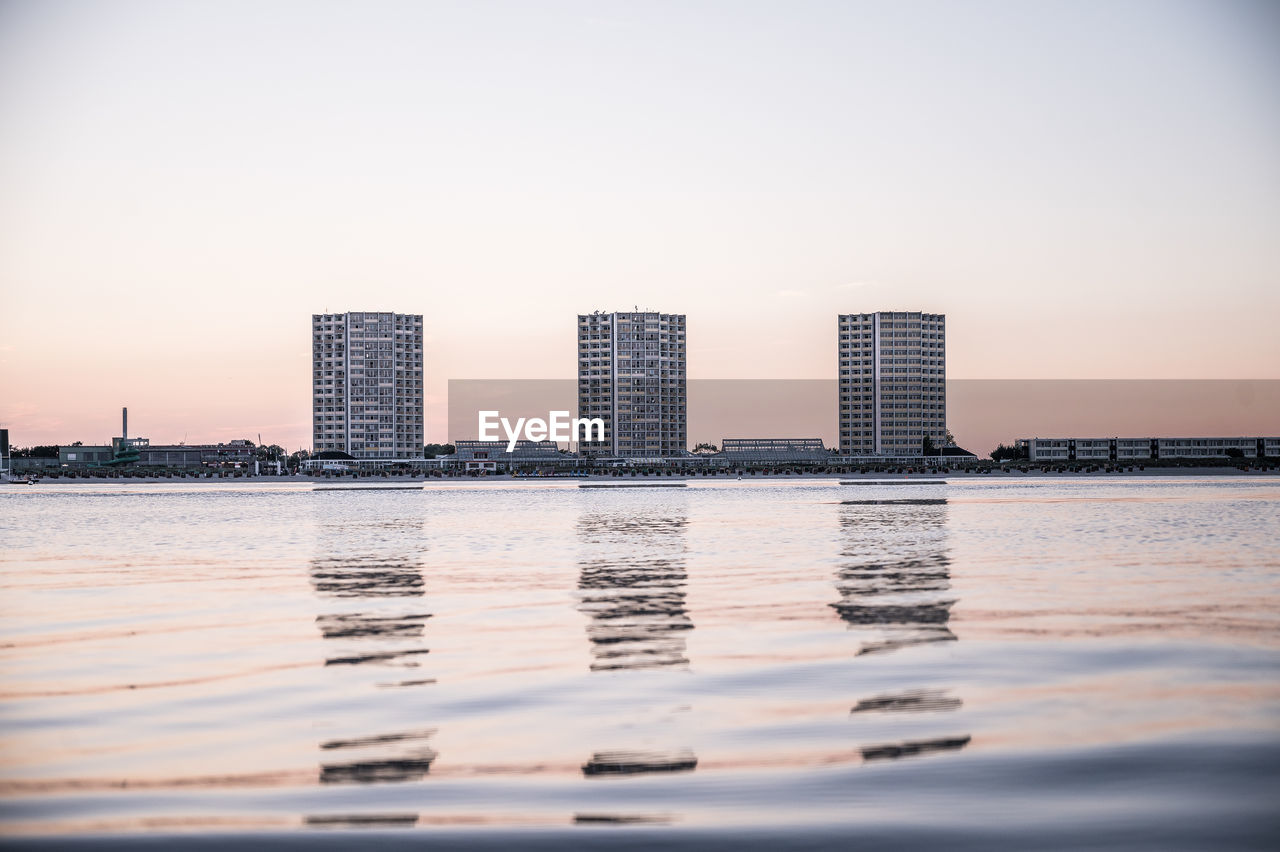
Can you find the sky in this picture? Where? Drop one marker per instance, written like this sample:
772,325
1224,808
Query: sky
1088,190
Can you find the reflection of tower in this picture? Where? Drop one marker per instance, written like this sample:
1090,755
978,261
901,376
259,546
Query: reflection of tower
895,577
895,584
371,616
370,578
632,585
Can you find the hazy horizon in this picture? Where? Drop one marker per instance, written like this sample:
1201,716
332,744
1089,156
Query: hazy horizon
1087,190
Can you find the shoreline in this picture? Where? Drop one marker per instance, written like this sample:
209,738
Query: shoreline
371,482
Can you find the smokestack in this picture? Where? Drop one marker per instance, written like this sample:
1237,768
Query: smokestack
124,422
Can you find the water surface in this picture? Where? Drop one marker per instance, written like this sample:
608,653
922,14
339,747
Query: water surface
1074,662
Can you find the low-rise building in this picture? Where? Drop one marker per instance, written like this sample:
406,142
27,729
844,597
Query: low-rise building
85,456
1146,449
193,455
157,455
493,455
172,456
21,465
734,451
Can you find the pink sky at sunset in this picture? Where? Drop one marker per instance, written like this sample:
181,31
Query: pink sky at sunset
1086,190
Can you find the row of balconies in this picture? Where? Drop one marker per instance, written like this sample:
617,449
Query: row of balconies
601,360
632,341
860,374
847,351
890,339
633,378
846,405
862,333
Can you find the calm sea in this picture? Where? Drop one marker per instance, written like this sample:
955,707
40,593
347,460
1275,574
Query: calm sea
1058,663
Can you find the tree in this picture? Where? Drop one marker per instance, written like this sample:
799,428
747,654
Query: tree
430,451
1235,453
1014,453
927,447
39,452
710,448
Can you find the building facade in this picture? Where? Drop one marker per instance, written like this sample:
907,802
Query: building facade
493,455
80,455
631,374
366,385
772,451
893,382
1146,449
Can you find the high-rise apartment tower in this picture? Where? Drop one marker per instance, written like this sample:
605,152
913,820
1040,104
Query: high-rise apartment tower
893,382
366,384
631,374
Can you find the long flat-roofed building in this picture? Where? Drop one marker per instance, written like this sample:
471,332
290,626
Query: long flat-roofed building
772,450
631,374
1143,449
893,382
366,384
492,455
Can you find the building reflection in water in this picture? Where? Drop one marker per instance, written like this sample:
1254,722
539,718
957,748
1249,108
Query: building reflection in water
894,579
402,756
636,762
632,586
377,614
369,578
894,751
894,582
910,701
405,820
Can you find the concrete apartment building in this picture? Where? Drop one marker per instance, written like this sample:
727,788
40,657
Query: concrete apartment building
893,382
631,374
366,384
1145,449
